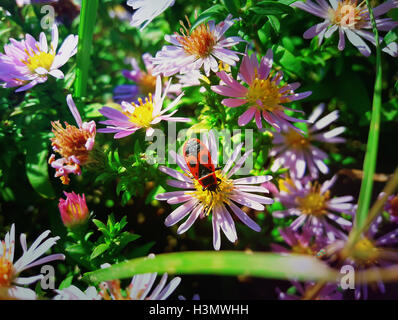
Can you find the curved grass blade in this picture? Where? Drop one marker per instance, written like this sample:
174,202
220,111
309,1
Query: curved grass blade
86,29
231,263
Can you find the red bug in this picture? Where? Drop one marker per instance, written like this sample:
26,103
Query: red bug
198,159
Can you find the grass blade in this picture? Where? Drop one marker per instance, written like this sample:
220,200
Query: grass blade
86,29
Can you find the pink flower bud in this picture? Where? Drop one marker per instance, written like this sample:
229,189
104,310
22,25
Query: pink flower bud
74,211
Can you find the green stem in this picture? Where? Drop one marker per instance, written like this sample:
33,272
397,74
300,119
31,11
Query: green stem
86,29
369,166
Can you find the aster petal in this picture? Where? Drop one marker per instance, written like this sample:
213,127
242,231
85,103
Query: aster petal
181,212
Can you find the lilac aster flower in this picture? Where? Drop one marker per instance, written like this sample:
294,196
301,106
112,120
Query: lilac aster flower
29,62
147,10
11,284
299,242
296,152
350,19
143,115
72,143
265,95
139,287
197,202
315,208
328,292
369,252
145,82
74,293
201,47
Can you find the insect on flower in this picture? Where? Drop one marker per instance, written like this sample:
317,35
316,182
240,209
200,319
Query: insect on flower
198,159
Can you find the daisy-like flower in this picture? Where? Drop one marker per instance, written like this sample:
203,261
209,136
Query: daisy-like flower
11,284
200,203
139,288
351,19
265,95
300,243
73,209
143,115
328,292
74,293
145,82
315,208
147,10
72,143
201,47
29,62
371,251
297,152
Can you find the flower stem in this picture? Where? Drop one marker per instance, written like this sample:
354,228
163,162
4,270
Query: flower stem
86,29
369,165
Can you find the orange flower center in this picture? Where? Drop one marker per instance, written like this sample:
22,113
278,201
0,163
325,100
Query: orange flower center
199,42
295,140
6,271
147,83
365,252
70,141
348,14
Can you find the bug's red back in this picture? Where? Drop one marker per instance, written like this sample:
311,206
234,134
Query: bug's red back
198,158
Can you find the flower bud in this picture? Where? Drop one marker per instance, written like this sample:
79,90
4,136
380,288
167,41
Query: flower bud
74,211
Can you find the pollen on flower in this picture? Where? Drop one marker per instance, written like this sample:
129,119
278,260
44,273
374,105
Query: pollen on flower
147,83
199,42
295,140
70,141
349,14
365,253
302,249
211,199
143,112
6,271
41,59
111,291
267,92
314,203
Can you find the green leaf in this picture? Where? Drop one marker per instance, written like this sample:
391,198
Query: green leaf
391,36
67,282
232,263
271,8
211,13
98,250
88,15
37,166
233,6
275,24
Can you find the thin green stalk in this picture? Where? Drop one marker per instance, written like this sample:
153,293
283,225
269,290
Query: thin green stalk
232,263
369,166
86,29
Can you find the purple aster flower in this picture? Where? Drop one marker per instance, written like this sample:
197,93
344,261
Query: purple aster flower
369,252
350,19
299,242
29,62
72,143
328,292
146,11
296,152
197,202
315,208
143,115
265,95
139,287
11,284
145,82
200,47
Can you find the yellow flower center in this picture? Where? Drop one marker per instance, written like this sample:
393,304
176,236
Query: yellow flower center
348,14
301,249
365,253
212,199
295,140
284,183
41,59
199,42
314,203
6,271
142,115
266,91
